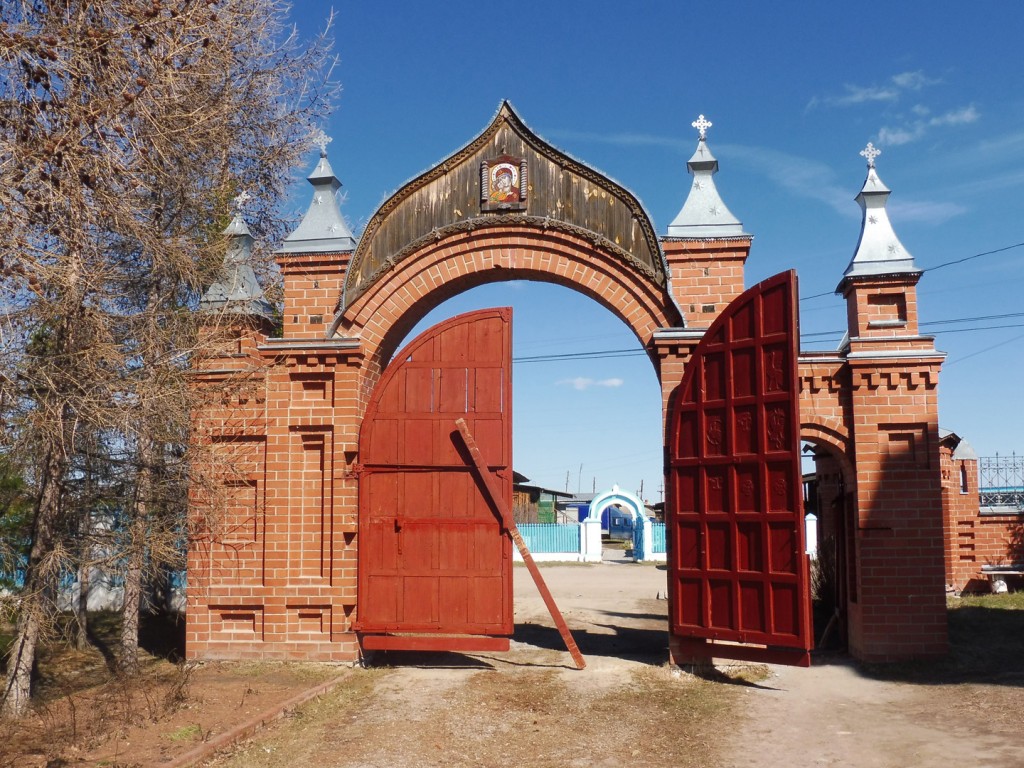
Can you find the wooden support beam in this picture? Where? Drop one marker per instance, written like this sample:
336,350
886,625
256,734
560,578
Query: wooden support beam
510,525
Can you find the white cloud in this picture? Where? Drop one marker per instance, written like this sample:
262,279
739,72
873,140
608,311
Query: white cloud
923,211
916,129
857,94
962,116
798,175
913,81
891,91
581,383
817,181
893,137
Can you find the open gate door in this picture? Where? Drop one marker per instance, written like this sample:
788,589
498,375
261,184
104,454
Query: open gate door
435,568
738,575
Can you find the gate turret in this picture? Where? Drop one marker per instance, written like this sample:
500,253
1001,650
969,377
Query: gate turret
314,257
897,601
240,317
706,246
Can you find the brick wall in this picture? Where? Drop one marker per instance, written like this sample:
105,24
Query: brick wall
272,573
972,539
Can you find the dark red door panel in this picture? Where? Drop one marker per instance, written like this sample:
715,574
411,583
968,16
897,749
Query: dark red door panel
738,580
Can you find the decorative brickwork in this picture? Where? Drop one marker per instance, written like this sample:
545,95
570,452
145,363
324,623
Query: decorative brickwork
273,565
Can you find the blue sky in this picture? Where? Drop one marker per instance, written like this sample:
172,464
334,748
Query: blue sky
795,91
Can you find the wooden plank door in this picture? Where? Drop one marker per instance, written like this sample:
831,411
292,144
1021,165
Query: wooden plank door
435,568
738,573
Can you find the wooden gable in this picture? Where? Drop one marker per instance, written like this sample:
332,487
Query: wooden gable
542,187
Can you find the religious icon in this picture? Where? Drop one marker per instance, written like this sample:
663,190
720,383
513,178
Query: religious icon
503,183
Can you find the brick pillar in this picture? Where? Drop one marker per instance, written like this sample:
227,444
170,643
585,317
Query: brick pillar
312,285
898,608
705,275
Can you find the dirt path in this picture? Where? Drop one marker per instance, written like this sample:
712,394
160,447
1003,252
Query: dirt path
832,715
530,707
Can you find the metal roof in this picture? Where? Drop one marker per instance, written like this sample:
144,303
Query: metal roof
237,289
323,229
879,251
704,214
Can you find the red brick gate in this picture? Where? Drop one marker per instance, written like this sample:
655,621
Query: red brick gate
288,403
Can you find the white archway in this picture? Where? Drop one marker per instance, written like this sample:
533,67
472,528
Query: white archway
641,523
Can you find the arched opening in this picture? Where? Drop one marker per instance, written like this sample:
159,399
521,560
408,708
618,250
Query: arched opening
830,508
587,414
586,398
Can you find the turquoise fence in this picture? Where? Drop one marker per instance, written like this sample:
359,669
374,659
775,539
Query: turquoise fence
545,538
658,538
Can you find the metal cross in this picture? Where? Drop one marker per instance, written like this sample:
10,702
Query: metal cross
702,125
240,200
870,153
320,139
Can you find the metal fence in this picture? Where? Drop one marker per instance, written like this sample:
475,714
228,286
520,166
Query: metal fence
546,538
658,538
1001,481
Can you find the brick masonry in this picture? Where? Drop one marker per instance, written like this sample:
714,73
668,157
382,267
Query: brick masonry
974,538
272,570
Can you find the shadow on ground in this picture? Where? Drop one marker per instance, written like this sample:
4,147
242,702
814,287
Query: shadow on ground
986,637
648,646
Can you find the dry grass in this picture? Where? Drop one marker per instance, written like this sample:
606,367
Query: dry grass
505,716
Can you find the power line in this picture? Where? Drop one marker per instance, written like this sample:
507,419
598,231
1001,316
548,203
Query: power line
607,354
932,269
595,355
950,321
975,256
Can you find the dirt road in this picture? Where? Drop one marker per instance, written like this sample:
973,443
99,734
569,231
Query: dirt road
531,707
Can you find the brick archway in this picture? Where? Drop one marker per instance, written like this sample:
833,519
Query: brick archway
290,399
383,316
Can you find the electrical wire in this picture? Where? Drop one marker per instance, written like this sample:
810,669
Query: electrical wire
932,269
607,354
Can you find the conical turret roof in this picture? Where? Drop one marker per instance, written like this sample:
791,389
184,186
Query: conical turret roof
323,229
704,214
879,251
237,290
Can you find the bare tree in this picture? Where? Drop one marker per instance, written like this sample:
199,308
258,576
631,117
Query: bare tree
125,129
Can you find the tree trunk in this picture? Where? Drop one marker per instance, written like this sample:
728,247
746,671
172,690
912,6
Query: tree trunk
128,659
138,542
82,608
18,684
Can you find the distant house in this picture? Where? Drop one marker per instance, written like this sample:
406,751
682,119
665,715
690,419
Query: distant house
534,504
576,506
616,522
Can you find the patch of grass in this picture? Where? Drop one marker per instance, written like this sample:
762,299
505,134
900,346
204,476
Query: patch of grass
746,673
1009,601
291,735
186,733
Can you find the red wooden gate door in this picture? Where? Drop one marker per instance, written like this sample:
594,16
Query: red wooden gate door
435,568
738,578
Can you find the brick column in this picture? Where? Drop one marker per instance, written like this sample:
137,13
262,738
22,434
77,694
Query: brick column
897,608
705,275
